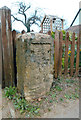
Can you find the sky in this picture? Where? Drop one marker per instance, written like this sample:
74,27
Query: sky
66,9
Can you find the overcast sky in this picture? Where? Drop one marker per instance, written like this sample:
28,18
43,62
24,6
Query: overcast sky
65,9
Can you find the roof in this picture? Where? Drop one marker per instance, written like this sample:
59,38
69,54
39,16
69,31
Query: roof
76,28
51,17
75,17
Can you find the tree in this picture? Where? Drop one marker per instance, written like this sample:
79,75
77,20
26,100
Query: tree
28,21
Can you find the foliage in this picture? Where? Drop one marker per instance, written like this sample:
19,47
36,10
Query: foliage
53,34
69,81
72,96
19,102
58,88
61,99
10,92
63,62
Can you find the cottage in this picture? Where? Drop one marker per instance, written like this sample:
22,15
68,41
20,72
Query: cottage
51,23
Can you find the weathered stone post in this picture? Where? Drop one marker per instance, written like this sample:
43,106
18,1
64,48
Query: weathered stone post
7,47
34,64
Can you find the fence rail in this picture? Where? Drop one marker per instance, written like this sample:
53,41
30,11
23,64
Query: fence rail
58,54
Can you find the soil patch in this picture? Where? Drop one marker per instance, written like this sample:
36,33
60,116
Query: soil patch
61,101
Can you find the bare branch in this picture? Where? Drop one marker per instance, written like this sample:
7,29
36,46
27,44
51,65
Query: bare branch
37,24
27,8
23,7
18,19
34,18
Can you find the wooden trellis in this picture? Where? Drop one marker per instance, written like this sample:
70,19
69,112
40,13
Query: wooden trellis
51,23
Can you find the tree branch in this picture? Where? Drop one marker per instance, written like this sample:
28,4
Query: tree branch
27,8
18,19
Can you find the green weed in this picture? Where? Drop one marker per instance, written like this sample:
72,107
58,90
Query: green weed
72,96
67,96
53,95
58,88
10,92
69,81
50,101
19,102
61,99
49,109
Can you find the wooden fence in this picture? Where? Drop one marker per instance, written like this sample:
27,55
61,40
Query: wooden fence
58,55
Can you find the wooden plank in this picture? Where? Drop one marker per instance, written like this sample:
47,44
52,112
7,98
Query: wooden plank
56,53
66,54
1,75
14,40
14,54
4,45
77,57
41,27
7,46
11,56
60,54
51,25
72,55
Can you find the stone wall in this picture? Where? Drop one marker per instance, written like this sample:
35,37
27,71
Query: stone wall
35,63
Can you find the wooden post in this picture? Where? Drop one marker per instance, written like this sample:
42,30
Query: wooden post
60,53
14,39
41,27
0,56
66,54
77,57
14,54
7,47
51,25
56,53
62,23
72,55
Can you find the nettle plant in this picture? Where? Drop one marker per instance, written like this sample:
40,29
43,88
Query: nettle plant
69,51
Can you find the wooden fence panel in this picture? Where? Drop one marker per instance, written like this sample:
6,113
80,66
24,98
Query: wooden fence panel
7,47
72,54
56,53
66,54
59,43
